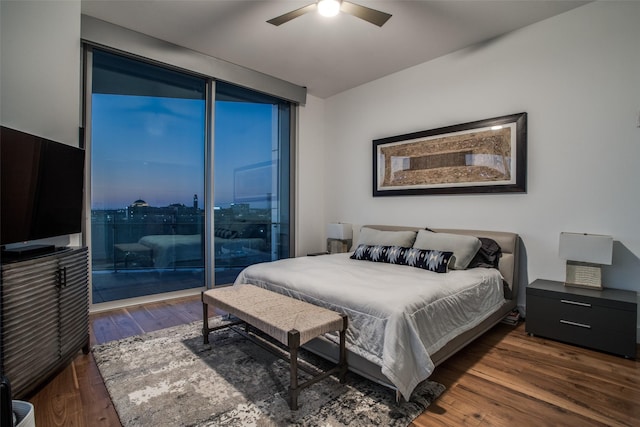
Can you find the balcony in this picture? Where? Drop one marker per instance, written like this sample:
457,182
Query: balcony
134,258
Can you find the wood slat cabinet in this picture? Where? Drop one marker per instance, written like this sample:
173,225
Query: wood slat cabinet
603,320
44,310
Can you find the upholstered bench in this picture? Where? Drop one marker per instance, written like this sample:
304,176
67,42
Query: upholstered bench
287,320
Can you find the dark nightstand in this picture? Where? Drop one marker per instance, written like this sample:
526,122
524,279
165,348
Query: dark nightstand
603,320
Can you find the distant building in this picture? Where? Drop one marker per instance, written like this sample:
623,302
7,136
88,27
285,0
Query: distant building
139,203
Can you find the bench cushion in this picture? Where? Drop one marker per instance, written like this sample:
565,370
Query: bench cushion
273,313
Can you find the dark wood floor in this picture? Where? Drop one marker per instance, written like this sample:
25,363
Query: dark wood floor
505,378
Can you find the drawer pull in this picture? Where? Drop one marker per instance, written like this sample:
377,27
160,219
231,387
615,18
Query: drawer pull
581,304
582,325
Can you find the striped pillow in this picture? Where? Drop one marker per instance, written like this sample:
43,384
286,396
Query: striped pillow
432,260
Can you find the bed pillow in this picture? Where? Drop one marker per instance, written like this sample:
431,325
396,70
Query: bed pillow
370,236
464,247
488,255
431,260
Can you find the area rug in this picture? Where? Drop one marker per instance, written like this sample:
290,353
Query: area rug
170,378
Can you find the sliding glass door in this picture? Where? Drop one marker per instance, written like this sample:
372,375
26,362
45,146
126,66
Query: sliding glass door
148,127
185,191
251,184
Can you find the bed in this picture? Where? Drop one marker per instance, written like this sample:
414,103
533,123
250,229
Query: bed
170,250
403,321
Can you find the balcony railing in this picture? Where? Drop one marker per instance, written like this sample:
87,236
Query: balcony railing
126,245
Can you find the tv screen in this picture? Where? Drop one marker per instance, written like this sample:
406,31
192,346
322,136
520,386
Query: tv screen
41,187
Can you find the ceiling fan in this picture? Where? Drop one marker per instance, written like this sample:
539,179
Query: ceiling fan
332,8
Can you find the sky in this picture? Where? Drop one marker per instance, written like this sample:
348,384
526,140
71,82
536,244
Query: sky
153,148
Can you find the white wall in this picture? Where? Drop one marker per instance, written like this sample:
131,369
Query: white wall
40,71
310,178
576,75
40,74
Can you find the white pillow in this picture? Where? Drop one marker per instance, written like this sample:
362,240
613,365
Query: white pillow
464,248
370,236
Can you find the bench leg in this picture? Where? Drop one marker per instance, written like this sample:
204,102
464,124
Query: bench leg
205,320
343,350
294,390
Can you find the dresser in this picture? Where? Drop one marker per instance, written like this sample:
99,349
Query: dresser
44,312
603,320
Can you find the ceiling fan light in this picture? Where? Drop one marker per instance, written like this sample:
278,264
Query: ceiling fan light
328,7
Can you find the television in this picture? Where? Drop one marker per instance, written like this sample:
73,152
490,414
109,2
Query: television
41,187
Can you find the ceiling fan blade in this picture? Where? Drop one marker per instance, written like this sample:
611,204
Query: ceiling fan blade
370,15
279,20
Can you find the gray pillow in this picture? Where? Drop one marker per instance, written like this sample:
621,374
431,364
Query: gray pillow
370,236
464,248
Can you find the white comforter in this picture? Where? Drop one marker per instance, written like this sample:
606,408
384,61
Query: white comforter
398,315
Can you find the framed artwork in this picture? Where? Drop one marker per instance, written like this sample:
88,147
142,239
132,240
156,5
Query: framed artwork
486,156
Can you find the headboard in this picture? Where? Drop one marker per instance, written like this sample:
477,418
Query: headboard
509,243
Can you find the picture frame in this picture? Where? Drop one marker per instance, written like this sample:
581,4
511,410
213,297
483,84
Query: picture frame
485,156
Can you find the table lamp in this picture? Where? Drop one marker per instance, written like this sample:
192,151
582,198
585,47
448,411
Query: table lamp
339,237
585,253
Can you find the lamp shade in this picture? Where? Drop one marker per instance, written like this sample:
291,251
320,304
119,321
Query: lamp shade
591,248
339,231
